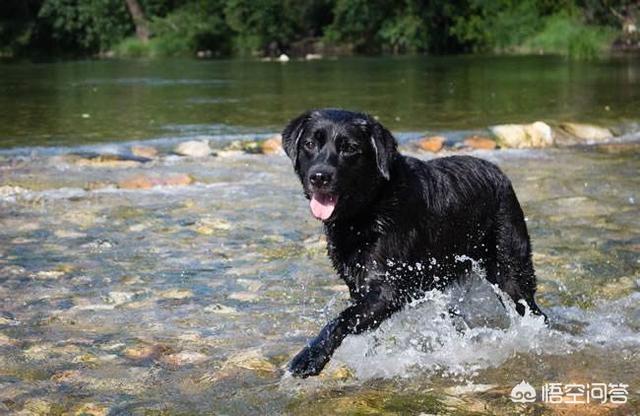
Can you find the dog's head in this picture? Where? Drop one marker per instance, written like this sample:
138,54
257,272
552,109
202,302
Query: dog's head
341,157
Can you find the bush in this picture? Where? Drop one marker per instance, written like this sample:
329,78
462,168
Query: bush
566,35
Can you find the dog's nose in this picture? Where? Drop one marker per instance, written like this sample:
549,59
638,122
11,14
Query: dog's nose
320,179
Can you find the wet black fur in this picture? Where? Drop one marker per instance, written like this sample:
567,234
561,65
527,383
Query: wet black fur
400,224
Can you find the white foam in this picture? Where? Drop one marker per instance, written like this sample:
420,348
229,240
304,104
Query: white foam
425,338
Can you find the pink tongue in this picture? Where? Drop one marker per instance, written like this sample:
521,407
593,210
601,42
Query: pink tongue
322,206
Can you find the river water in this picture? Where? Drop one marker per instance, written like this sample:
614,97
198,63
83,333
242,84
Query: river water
191,299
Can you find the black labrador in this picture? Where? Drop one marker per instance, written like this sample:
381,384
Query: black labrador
397,226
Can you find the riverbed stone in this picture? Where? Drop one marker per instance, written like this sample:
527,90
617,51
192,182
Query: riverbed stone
479,142
252,359
183,358
144,151
141,181
105,160
272,145
587,132
431,144
523,136
193,148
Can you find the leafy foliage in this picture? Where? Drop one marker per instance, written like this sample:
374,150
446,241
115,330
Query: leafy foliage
579,28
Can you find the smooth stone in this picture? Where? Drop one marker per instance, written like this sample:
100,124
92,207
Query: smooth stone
477,142
37,407
522,136
432,144
251,360
250,285
48,274
619,148
118,298
243,296
587,132
193,148
146,182
183,358
221,309
91,409
8,190
144,151
176,294
145,351
272,145
68,234
105,161
6,341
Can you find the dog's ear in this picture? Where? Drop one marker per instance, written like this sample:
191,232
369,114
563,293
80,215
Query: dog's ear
291,136
384,146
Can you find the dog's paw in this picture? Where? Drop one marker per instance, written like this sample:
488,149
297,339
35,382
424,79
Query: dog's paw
308,362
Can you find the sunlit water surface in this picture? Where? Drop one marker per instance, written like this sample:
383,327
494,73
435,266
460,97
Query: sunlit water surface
191,299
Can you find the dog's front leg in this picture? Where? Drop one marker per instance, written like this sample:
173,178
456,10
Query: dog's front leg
366,313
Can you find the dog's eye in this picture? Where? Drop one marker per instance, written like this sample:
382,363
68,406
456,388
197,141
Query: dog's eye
349,149
309,145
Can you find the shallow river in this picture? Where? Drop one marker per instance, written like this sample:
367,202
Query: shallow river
191,299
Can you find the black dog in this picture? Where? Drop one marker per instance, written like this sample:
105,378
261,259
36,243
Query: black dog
397,227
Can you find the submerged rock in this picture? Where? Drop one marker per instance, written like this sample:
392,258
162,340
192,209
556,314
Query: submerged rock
193,148
146,182
477,142
144,151
105,160
252,359
91,409
619,148
522,136
143,352
220,309
176,294
431,144
183,358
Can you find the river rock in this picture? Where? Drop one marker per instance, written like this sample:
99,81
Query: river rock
619,148
176,294
146,182
144,151
522,136
105,160
272,145
183,358
587,132
477,142
193,148
91,409
143,352
217,308
251,360
431,144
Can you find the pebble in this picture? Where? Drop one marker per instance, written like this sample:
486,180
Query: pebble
176,294
272,145
144,151
477,142
251,360
193,148
183,358
432,144
221,309
243,296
